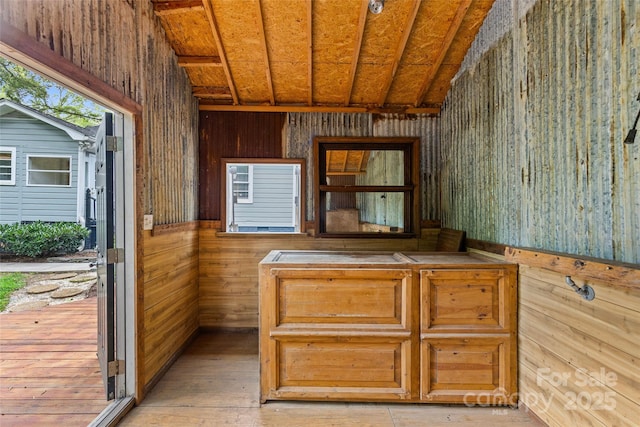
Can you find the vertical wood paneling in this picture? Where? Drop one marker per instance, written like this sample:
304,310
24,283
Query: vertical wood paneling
533,130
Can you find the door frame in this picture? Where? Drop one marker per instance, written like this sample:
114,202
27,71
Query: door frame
23,49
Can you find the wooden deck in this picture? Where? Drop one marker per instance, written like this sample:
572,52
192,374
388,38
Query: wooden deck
215,383
49,372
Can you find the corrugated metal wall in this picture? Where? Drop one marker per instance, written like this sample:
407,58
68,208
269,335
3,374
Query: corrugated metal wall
301,128
122,44
233,135
533,129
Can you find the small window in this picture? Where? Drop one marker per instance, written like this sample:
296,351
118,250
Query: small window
241,182
262,195
366,187
49,171
7,166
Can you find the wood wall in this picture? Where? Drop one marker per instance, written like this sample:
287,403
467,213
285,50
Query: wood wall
170,294
532,130
578,359
229,268
117,48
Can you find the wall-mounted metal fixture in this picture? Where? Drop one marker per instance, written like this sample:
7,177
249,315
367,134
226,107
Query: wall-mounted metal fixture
376,6
585,291
631,136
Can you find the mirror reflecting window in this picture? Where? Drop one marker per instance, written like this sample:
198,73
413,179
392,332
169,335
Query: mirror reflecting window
263,195
366,186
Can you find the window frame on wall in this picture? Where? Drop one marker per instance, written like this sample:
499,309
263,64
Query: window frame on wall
409,189
68,171
12,166
227,219
248,182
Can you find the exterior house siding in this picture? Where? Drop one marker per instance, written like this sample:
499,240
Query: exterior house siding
23,202
272,201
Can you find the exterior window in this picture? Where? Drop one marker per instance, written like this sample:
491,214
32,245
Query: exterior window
262,195
241,180
366,187
49,171
7,166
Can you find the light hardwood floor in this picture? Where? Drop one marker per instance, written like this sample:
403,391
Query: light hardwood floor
215,383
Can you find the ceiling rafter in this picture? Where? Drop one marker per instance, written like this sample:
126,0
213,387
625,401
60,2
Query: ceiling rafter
446,44
208,9
212,92
399,51
199,61
208,34
263,39
173,7
310,48
362,19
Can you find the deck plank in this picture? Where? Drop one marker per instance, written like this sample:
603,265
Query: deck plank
49,371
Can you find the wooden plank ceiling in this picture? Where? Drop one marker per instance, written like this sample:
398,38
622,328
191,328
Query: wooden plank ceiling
321,55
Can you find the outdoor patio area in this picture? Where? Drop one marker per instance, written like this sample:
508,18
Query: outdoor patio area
49,372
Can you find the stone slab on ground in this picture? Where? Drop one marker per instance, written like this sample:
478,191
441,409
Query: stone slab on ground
42,288
67,293
83,278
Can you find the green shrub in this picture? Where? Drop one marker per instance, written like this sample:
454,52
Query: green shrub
39,239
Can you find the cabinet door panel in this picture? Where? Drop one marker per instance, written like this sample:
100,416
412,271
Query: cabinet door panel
472,370
465,301
342,368
322,298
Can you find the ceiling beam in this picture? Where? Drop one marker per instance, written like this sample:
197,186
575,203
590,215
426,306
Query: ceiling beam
399,51
362,19
208,9
173,7
446,44
310,50
263,39
433,111
199,61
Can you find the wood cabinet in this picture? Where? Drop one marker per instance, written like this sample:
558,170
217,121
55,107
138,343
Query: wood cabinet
371,326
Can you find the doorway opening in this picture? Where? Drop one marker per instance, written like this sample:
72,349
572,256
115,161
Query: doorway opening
115,261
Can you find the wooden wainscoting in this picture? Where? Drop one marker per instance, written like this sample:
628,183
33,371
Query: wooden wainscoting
578,359
170,295
229,267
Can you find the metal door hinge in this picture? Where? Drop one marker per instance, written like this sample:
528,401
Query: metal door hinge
115,143
115,255
115,367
